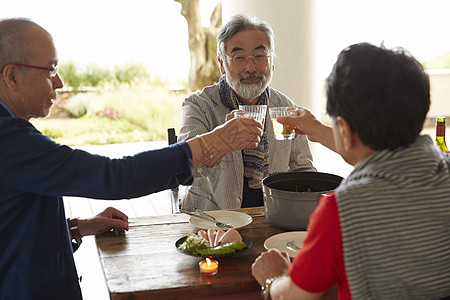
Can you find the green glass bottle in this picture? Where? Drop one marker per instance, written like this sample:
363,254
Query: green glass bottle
440,134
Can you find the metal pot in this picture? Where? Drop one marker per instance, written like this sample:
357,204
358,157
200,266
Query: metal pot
291,197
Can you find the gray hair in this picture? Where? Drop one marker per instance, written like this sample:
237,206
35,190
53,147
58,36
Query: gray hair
242,22
12,42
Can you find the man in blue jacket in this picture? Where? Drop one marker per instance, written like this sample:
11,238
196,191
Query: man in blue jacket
36,254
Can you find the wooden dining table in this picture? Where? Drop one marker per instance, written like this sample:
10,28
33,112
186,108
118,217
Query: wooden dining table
143,263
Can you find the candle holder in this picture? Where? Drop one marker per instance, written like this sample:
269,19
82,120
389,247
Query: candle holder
209,266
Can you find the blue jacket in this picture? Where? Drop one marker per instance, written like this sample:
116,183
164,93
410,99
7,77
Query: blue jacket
36,257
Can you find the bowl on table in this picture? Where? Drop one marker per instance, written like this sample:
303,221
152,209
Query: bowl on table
291,197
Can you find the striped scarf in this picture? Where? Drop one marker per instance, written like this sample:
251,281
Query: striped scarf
256,161
394,210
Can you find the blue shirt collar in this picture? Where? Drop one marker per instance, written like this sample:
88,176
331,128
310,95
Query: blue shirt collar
6,108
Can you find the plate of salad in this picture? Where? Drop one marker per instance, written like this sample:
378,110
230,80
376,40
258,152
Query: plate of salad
200,247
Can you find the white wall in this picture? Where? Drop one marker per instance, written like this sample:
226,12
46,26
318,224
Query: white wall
439,93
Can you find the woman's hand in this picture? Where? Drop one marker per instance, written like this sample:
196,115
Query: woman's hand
306,123
270,264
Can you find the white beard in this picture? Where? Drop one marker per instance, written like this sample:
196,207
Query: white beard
248,90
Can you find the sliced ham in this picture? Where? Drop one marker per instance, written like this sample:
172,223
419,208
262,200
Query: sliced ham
219,235
232,235
211,236
203,234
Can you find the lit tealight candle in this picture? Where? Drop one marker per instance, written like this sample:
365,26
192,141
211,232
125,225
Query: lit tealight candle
209,266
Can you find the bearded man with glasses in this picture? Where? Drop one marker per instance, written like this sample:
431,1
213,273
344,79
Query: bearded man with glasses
245,52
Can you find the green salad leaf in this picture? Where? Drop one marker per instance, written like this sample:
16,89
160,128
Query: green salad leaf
194,243
199,246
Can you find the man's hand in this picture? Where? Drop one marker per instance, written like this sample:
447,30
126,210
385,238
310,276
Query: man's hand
234,114
110,218
235,134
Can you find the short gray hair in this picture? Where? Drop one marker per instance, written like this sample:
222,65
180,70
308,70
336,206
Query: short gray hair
12,42
242,22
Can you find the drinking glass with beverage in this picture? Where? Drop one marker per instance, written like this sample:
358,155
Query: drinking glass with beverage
282,132
257,112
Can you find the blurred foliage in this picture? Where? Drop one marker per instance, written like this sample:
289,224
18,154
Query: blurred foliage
93,75
119,105
78,105
144,113
129,72
70,74
440,62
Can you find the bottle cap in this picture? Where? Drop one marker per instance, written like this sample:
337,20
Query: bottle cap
440,120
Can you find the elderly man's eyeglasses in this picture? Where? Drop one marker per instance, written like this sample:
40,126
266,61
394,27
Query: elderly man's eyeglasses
258,59
53,70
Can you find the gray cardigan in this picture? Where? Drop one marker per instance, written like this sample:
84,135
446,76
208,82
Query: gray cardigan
221,186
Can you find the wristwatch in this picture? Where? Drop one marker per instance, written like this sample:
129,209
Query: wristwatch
74,231
265,289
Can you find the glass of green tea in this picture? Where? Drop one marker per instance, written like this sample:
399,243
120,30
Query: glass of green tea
282,132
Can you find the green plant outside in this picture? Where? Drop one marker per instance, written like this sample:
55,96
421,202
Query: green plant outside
145,114
123,105
93,75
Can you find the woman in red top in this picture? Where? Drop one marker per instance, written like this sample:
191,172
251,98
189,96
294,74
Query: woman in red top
387,219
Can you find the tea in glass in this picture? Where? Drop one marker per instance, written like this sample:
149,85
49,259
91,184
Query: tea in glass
282,132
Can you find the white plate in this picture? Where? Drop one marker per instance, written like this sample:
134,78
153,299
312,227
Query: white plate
236,219
279,241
